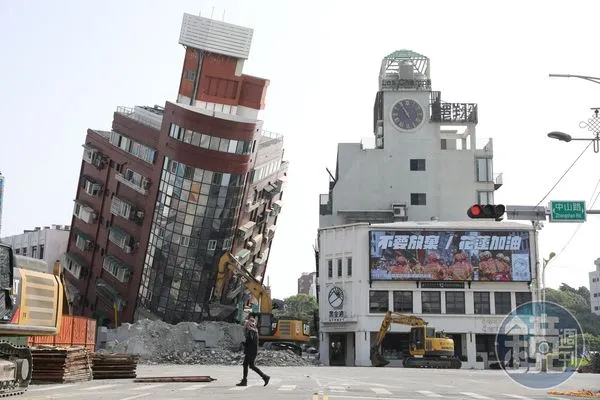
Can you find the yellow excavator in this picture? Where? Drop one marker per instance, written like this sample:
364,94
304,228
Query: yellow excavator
427,348
31,304
288,331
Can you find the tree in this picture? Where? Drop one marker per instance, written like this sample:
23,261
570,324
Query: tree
300,306
577,302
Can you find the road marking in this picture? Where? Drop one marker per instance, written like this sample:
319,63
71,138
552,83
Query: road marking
381,391
137,396
192,387
239,388
477,396
337,389
100,387
287,387
149,387
444,386
53,387
341,396
429,394
516,396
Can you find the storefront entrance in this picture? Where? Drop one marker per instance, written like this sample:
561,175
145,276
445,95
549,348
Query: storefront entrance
337,349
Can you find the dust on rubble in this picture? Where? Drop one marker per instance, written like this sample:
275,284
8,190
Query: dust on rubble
588,394
207,343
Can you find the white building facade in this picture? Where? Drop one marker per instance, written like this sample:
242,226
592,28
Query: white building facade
426,167
354,295
595,288
48,243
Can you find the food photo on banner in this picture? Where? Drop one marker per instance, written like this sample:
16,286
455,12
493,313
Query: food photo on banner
498,256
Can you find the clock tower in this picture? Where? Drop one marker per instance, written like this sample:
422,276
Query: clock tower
402,104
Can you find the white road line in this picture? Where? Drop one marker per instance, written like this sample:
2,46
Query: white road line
516,396
53,387
337,389
192,387
147,387
476,396
428,393
381,391
239,388
444,386
340,396
100,387
137,396
287,387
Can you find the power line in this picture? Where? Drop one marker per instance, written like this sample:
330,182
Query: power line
581,225
565,174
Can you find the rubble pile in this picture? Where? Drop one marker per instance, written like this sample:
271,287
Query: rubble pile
208,343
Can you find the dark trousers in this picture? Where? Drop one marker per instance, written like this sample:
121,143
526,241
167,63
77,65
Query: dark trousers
249,363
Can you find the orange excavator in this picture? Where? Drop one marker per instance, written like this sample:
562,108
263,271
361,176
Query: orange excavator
31,304
288,331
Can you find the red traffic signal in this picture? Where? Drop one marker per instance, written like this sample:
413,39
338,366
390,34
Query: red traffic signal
487,211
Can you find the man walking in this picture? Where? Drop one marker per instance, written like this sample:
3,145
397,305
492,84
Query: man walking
250,352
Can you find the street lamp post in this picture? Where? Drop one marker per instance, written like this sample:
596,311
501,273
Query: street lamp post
544,265
592,124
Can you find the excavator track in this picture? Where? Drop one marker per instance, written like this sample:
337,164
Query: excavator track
21,356
425,362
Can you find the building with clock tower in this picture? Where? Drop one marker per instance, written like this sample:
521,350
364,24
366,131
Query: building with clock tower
425,163
393,228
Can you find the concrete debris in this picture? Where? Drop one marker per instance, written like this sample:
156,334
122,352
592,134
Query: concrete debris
207,343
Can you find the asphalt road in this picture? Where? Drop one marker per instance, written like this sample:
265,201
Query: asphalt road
327,383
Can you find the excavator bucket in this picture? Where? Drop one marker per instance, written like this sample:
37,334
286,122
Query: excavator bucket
377,359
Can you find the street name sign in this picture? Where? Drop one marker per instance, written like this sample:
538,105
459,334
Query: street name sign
526,213
567,211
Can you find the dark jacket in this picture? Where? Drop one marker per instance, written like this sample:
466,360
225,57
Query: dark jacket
251,343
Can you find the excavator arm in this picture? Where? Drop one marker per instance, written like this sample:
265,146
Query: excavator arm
228,263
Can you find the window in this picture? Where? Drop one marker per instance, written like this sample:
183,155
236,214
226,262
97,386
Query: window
92,188
349,266
184,241
431,302
330,268
484,170
455,302
41,251
226,244
34,251
481,301
403,301
417,164
190,75
522,298
339,267
418,199
502,303
485,197
379,301
212,244
120,208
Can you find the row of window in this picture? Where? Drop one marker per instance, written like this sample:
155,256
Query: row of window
265,170
134,148
483,168
431,302
205,141
339,269
34,252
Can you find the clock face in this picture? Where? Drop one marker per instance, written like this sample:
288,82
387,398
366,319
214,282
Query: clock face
407,114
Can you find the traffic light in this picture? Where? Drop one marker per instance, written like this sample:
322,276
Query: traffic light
488,211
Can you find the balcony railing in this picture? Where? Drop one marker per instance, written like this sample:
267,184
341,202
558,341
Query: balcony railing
131,184
268,137
452,112
136,116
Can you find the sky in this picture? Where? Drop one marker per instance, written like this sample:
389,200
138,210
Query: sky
67,65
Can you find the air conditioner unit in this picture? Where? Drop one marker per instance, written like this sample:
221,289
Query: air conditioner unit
399,210
128,249
146,182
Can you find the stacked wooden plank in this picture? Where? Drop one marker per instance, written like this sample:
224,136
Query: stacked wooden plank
61,364
114,366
